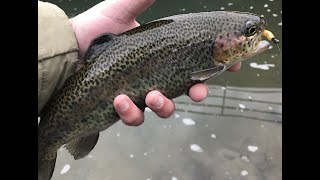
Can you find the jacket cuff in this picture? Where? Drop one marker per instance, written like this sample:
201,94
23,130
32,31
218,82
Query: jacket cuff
57,51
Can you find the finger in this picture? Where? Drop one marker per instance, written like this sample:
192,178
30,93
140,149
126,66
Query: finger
235,67
126,10
129,113
198,92
159,104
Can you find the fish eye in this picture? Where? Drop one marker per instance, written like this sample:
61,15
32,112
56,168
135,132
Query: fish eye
251,28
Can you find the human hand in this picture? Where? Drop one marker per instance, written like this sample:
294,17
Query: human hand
117,16
158,103
112,16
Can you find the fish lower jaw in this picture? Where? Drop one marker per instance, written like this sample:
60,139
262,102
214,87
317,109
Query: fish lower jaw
262,46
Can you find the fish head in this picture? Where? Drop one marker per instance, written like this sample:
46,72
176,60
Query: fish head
240,38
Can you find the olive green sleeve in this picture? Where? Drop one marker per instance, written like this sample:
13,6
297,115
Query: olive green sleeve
57,50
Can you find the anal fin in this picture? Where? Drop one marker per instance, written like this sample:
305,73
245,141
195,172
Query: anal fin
81,147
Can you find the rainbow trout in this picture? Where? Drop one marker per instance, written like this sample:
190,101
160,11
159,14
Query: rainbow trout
169,55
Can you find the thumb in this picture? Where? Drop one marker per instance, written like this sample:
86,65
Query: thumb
124,10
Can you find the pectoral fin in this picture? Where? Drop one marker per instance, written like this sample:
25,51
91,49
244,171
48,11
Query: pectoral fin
207,73
98,46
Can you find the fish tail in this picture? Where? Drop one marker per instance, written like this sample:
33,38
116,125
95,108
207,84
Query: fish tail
46,167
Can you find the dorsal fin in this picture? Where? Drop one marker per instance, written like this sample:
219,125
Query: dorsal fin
100,43
97,46
148,26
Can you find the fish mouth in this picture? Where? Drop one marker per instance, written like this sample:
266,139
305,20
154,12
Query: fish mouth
261,45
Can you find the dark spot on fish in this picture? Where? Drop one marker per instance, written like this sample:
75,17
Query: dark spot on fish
97,82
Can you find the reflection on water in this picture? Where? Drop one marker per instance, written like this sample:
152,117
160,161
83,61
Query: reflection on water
234,134
255,103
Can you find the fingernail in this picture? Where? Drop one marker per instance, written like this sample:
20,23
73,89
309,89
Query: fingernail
123,106
158,102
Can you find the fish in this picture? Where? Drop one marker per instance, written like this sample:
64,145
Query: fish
169,55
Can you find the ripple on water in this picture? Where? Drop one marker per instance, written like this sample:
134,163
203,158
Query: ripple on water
244,173
174,178
65,169
188,122
196,148
261,66
252,148
176,115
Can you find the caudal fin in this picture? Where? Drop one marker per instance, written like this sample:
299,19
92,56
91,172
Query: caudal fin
45,168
